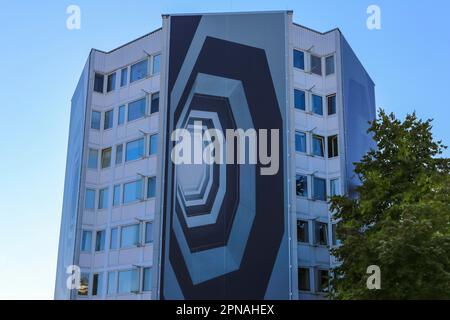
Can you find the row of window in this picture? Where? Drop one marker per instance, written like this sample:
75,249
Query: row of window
134,110
317,144
315,102
318,189
136,280
134,150
122,194
314,63
137,71
319,233
321,277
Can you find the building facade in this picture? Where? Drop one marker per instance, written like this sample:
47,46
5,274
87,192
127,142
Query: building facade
240,234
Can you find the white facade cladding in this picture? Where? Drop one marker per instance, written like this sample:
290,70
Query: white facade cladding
111,222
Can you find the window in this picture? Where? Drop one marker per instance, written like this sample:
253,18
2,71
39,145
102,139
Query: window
119,153
108,123
113,239
302,231
148,232
329,65
316,65
123,77
129,281
303,279
134,150
121,117
136,109
129,236
93,159
106,158
334,240
318,145
331,104
132,191
333,146
147,285
154,107
100,240
111,282
103,199
98,82
116,195
86,241
317,104
299,60
111,82
322,281
95,120
321,233
153,147
320,189
299,99
84,284
151,187
301,185
334,187
300,142
97,284
138,71
156,64
89,201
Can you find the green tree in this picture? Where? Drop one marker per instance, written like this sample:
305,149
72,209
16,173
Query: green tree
400,220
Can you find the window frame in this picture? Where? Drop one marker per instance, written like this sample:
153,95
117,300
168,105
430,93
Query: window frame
99,119
111,122
333,95
314,195
306,196
306,239
131,70
110,158
308,272
304,59
138,243
112,76
128,109
334,64
141,192
322,138
333,146
311,71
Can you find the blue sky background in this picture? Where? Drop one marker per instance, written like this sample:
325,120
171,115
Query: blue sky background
41,60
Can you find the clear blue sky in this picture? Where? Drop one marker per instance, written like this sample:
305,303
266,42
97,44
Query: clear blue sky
41,61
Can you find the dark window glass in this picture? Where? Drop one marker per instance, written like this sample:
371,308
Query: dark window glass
329,65
123,77
299,59
148,232
109,118
302,231
136,109
95,120
119,153
322,280
103,198
97,284
98,82
318,145
106,158
139,70
317,104
303,279
320,189
151,187
301,185
111,85
321,233
331,104
121,118
299,99
100,240
333,146
155,103
316,65
300,142
153,148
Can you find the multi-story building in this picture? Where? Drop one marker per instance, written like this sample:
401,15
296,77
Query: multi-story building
117,174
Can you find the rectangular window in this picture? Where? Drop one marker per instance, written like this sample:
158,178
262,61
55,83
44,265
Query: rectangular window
93,159
132,191
95,120
136,109
329,65
97,284
89,201
320,189
129,281
321,233
111,282
100,240
129,236
123,77
316,65
333,146
84,284
119,153
148,232
318,145
302,231
147,285
334,187
331,104
156,64
86,241
153,147
301,185
322,281
121,117
151,187
299,99
106,158
299,60
103,197
317,104
113,239
303,279
111,82
300,142
154,107
134,150
109,120
98,82
138,71
116,195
